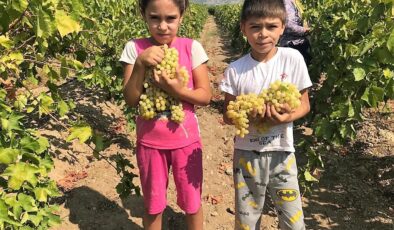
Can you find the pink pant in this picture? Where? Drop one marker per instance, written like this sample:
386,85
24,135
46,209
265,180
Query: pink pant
154,165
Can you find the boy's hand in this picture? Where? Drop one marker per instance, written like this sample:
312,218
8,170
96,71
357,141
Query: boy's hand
171,86
151,56
275,117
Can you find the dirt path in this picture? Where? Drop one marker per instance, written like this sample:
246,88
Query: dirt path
356,189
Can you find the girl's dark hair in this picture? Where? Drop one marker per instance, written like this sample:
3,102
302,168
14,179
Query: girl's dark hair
182,5
263,9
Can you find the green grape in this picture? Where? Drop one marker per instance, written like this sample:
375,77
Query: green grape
280,93
154,100
239,110
277,94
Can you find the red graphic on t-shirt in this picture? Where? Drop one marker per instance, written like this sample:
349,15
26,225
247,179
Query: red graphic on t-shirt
283,76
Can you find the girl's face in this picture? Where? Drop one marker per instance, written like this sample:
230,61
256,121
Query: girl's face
262,35
163,18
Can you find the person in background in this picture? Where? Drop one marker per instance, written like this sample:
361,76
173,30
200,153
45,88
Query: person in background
296,31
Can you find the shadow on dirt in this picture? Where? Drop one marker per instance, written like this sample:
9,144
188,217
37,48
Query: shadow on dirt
91,107
90,210
172,220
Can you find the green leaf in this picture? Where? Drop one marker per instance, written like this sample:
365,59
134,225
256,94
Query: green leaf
27,202
41,194
350,108
9,155
43,144
372,95
5,42
82,132
64,68
99,142
43,26
30,144
65,24
363,24
390,41
4,215
19,173
25,217
384,55
3,94
63,108
20,5
324,128
359,74
45,105
12,123
308,177
36,219
20,102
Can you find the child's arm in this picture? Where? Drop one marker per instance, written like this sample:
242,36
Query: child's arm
134,75
227,98
276,118
200,95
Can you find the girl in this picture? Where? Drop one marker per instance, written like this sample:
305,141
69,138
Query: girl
161,143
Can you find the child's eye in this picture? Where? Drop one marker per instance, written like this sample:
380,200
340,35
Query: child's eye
171,18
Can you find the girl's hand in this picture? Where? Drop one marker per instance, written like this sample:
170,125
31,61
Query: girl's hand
171,86
151,56
275,117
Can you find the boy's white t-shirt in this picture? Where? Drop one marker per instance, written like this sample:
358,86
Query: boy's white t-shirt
129,54
247,75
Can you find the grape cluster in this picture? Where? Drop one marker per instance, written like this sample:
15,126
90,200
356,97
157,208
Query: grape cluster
278,93
239,110
154,100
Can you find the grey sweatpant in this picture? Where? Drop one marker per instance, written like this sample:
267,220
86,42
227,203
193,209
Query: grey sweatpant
254,172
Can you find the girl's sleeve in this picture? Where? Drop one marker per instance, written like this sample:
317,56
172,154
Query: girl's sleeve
292,26
198,54
129,54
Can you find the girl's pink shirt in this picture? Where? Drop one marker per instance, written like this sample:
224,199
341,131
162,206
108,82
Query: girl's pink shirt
163,133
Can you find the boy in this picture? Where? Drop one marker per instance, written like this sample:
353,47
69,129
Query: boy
267,160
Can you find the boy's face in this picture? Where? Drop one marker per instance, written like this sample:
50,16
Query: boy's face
263,34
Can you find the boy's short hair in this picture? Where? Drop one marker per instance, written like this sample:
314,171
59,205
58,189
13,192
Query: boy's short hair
263,9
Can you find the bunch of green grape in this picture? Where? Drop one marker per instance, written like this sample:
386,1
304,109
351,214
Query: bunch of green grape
240,109
154,100
280,93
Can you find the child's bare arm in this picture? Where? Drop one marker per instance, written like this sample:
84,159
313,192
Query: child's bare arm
274,117
134,75
227,98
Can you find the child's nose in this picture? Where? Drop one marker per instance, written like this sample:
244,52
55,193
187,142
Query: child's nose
162,26
263,33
